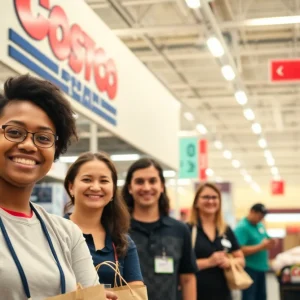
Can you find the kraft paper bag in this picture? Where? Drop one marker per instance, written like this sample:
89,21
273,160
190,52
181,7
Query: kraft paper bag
237,278
127,291
96,292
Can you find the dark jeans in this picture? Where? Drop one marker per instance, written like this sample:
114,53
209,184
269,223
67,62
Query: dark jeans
257,291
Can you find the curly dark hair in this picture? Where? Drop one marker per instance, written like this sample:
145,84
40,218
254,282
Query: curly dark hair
115,217
50,99
143,163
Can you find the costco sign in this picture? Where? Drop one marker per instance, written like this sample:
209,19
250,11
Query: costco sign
69,43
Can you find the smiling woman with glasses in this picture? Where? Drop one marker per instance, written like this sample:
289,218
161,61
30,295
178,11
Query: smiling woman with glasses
41,255
212,239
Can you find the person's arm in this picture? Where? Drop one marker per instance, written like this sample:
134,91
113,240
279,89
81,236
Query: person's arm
82,263
236,251
187,267
188,286
132,270
239,257
249,250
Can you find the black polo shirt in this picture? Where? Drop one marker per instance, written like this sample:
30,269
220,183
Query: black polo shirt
151,239
212,281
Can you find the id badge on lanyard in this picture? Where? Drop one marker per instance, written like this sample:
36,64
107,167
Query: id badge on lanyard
164,264
226,244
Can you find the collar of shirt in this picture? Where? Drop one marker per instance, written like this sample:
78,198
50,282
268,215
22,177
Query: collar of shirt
89,238
164,220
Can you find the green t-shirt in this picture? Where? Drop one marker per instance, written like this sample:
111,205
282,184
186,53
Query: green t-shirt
249,234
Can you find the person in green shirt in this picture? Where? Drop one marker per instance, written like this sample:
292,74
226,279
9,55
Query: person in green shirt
255,242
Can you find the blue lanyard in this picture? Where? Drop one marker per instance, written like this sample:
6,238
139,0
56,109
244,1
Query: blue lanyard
17,262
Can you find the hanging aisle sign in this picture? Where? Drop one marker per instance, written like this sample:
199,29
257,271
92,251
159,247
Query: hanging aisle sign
193,158
68,44
188,158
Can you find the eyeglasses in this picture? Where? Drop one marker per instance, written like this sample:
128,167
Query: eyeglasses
18,134
207,197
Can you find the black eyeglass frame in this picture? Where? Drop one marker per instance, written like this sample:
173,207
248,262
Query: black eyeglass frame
25,136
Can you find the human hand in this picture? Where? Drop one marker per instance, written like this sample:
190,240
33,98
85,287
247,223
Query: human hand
225,264
217,258
110,296
267,243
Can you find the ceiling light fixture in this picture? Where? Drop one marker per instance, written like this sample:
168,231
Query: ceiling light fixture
270,161
228,72
285,20
201,128
249,114
262,143
189,116
267,153
227,154
215,47
68,159
236,164
218,144
209,172
125,157
256,128
194,4
241,97
169,173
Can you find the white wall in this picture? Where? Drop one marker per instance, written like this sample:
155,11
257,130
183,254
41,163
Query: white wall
147,114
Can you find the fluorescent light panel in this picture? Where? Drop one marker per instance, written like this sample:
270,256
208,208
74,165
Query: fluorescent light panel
285,20
68,159
169,173
125,157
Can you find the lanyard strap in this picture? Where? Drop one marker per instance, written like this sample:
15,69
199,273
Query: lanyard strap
115,253
16,259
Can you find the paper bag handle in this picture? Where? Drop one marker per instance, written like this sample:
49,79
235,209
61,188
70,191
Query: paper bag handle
114,266
79,294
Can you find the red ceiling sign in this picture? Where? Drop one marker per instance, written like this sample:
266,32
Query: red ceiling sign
285,70
203,160
277,187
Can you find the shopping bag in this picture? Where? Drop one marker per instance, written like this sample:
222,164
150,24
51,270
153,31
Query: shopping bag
237,278
96,292
127,291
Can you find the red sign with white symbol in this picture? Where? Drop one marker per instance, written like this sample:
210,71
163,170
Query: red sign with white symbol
203,160
277,187
285,70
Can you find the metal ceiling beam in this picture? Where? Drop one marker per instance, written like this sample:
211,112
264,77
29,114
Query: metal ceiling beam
169,29
175,55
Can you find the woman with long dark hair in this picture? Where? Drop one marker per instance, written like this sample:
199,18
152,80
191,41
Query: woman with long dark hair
91,183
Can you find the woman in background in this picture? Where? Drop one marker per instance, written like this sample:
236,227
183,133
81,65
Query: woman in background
91,183
213,239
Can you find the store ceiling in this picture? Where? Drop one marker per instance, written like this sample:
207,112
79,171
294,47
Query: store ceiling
170,39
